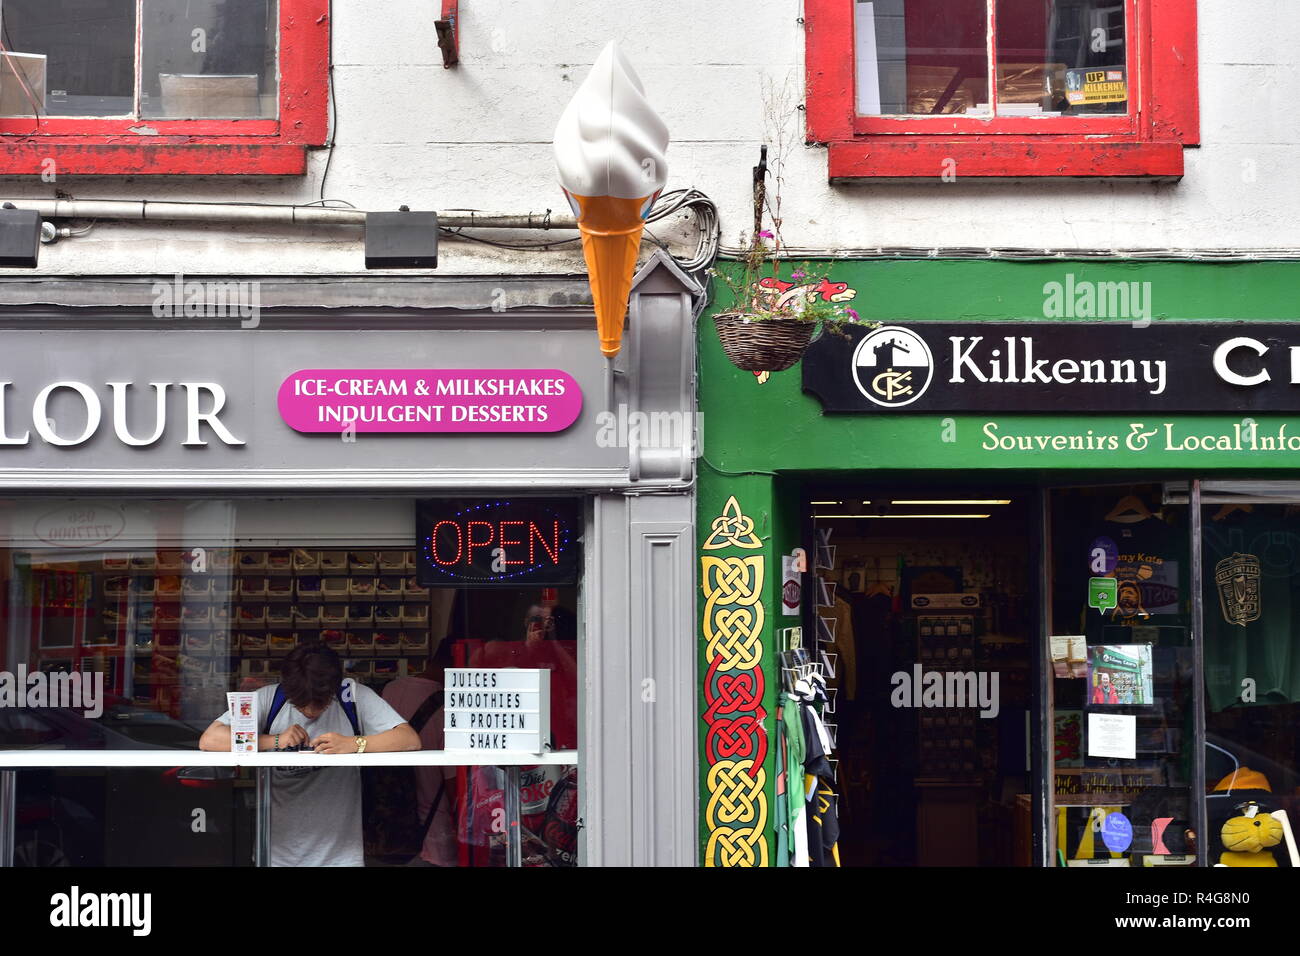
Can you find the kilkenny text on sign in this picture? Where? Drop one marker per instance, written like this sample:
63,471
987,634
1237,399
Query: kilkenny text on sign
505,709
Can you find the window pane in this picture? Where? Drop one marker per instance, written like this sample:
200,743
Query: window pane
1061,57
209,59
1121,670
925,57
68,57
1252,678
124,623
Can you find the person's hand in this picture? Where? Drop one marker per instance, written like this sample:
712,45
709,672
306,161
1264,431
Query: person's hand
295,736
334,744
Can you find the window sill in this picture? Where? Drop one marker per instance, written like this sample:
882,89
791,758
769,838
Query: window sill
995,158
33,158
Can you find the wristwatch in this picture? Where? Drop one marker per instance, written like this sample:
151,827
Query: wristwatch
361,745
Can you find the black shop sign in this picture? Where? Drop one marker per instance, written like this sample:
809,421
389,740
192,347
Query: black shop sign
1058,367
497,542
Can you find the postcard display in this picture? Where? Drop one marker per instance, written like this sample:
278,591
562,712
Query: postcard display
175,630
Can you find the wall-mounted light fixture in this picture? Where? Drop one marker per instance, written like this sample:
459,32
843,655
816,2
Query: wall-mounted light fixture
20,237
402,240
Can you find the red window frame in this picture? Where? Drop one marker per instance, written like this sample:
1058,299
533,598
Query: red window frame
1148,142
119,146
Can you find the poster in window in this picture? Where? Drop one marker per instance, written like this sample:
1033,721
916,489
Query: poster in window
1119,675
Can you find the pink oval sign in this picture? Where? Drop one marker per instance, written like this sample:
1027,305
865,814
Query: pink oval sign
430,400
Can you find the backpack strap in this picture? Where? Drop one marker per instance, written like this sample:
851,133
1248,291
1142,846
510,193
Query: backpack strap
349,704
426,710
277,705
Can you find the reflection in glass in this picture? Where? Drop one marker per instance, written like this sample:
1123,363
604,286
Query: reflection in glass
927,57
1122,668
1061,57
209,59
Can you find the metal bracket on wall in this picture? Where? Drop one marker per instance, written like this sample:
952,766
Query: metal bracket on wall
449,33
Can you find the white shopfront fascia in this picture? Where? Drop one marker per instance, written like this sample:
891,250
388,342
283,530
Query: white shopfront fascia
637,756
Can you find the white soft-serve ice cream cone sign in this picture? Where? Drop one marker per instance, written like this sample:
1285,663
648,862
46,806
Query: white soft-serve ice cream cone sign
609,149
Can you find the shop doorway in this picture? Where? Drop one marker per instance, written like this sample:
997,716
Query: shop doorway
924,611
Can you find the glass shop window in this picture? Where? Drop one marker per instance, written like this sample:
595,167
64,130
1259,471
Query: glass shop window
984,58
124,623
203,59
1251,601
1122,674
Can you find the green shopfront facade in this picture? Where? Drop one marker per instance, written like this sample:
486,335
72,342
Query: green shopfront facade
1107,570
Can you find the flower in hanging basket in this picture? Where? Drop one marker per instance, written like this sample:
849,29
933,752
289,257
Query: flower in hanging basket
772,320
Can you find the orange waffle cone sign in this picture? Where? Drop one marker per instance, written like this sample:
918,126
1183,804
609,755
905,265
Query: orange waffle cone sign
609,151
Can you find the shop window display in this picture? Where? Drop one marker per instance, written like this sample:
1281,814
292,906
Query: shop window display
148,612
1122,675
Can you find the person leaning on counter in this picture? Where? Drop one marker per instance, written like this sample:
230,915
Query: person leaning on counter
316,811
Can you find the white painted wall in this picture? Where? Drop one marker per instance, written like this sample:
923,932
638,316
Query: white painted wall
478,136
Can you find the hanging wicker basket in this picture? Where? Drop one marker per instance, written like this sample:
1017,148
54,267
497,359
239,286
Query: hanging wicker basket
769,345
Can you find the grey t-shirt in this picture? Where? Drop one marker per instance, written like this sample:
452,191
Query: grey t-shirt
316,811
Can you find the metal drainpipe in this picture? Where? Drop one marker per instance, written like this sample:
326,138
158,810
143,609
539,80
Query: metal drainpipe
148,211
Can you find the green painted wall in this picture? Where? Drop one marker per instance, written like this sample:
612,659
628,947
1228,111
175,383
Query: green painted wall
760,439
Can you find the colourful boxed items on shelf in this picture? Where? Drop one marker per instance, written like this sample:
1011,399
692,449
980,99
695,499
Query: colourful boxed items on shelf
386,667
335,639
387,642
308,587
389,589
279,562
410,561
278,615
197,642
115,619
359,668
252,615
360,642
252,587
168,586
145,587
415,642
279,589
413,588
304,560
116,586
363,561
388,614
281,643
361,613
306,613
116,562
252,560
198,587
171,560
333,562
144,562
196,614
392,561
166,616
415,613
220,614
334,589
220,559
252,645
224,588
361,587
334,614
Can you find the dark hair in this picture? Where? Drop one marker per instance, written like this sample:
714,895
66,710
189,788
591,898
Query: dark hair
311,675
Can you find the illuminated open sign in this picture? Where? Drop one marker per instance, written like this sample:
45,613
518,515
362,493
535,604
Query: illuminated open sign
478,542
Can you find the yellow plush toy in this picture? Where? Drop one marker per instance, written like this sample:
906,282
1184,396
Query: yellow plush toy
1248,836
